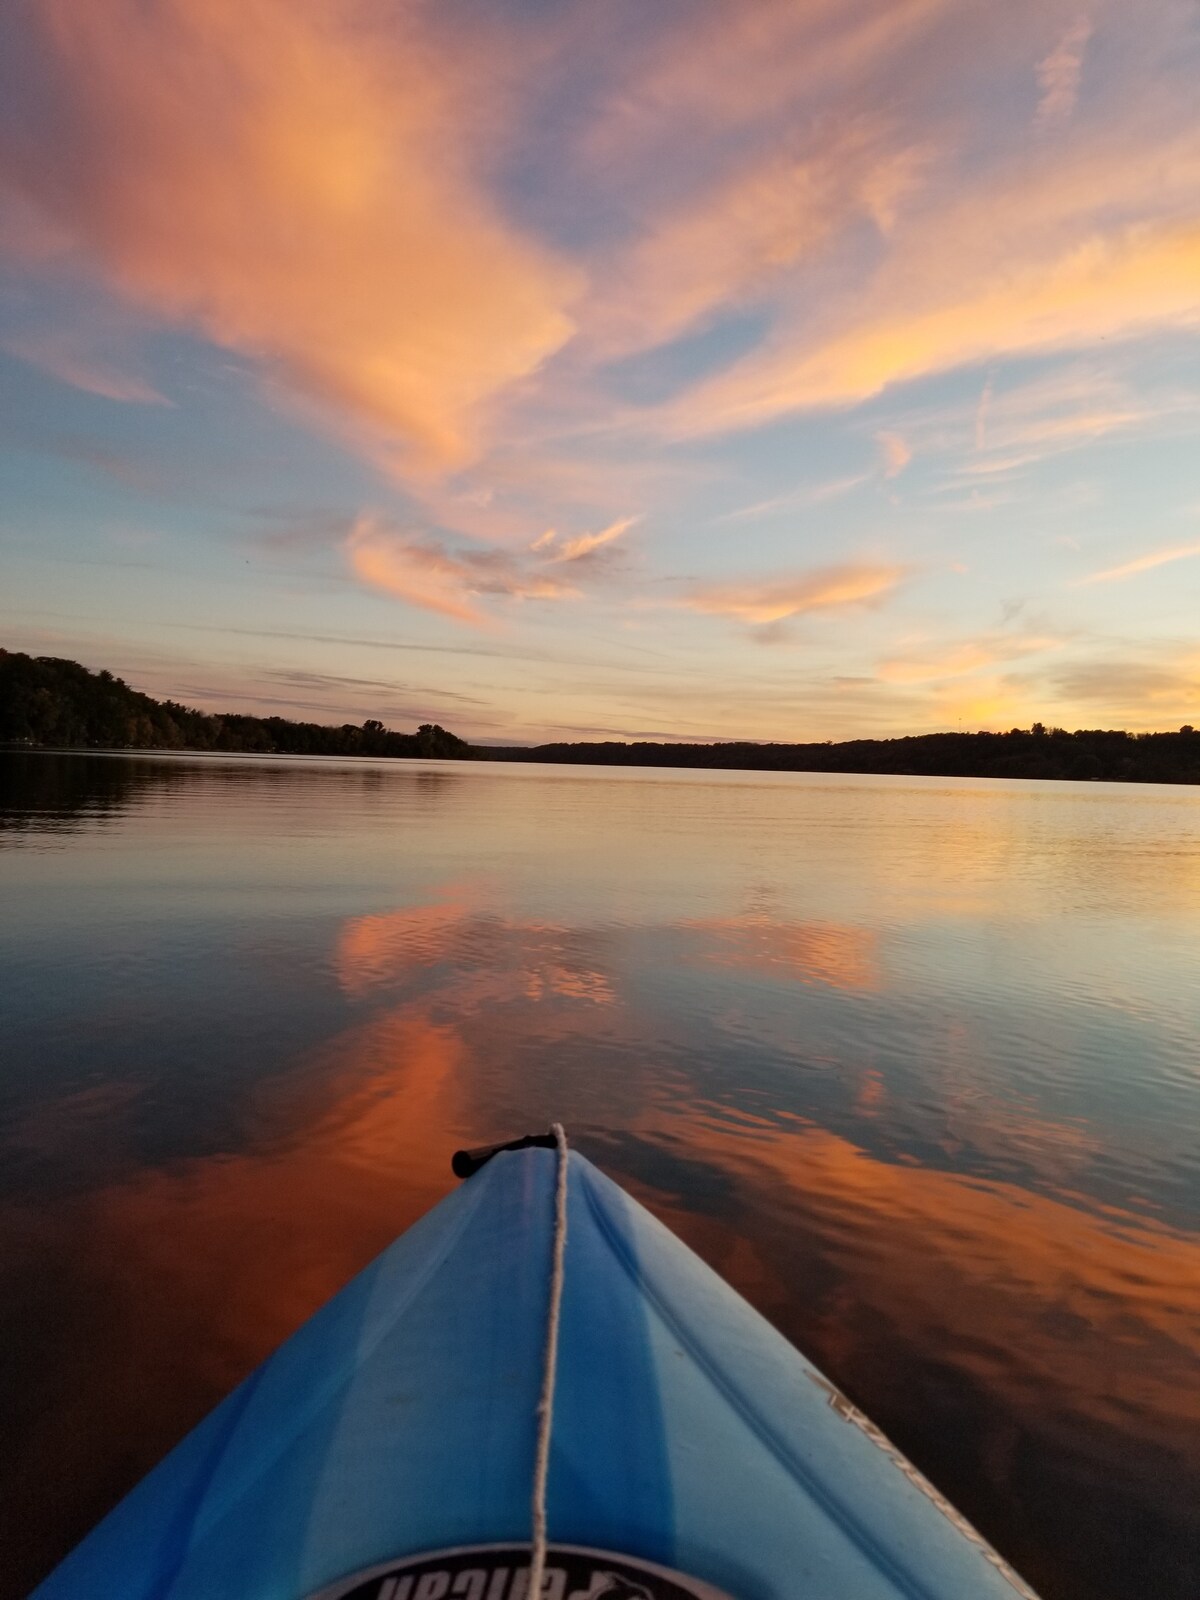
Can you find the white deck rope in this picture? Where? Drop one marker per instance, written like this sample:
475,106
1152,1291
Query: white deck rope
545,1406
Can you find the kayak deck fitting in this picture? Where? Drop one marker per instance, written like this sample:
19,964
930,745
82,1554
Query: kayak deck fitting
386,1451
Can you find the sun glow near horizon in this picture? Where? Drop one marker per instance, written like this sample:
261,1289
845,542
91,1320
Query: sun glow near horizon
768,370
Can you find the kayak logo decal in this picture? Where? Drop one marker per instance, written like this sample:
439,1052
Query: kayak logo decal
501,1572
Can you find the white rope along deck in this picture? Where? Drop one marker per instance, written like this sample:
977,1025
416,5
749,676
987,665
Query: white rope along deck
545,1406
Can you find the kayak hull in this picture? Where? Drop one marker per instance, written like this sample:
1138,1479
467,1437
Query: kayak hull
688,1436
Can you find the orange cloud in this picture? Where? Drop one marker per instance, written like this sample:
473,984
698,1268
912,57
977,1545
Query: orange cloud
1156,558
823,589
734,241
1022,249
585,543
1144,280
294,183
425,575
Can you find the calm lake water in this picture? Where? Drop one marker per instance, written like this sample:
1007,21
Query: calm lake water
912,1062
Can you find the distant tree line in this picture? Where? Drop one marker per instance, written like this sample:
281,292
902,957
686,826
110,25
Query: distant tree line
60,704
1036,752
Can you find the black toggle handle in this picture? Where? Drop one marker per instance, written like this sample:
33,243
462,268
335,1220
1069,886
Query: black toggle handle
465,1163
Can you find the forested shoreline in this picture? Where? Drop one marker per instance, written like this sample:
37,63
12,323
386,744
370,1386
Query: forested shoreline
1108,755
57,704
49,703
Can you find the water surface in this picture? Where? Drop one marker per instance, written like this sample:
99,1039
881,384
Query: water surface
912,1062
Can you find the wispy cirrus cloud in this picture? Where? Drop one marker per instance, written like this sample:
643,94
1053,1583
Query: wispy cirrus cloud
1016,425
732,68
1146,563
780,599
69,355
1051,436
733,243
1139,690
1026,253
583,544
808,494
1143,280
935,660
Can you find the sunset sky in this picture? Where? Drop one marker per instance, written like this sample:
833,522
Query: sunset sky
705,368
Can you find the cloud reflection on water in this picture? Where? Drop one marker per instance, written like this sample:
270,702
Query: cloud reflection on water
495,958
1049,1322
842,957
909,1064
157,1292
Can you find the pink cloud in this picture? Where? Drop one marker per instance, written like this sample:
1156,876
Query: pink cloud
734,66
1059,73
64,354
292,182
897,454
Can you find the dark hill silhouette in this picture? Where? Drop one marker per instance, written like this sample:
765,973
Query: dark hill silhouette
59,704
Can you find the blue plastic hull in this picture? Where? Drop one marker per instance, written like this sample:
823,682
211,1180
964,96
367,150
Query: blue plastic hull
401,1419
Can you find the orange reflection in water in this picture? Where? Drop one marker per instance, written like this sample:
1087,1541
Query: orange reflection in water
1063,1341
374,950
496,958
1076,1328
976,1265
171,1285
370,1120
534,960
840,956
